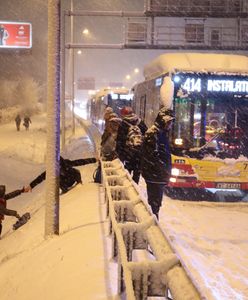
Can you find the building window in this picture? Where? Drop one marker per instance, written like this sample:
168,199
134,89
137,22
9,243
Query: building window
200,6
136,31
215,37
244,35
194,33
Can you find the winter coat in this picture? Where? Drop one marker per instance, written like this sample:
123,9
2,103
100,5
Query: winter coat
68,174
3,204
26,121
18,120
156,156
108,146
123,152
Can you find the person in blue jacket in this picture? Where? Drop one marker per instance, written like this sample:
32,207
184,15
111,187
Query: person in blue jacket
156,158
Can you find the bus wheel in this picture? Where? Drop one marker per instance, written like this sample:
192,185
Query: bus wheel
245,197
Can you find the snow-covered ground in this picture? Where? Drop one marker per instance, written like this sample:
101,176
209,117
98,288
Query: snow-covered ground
211,238
74,265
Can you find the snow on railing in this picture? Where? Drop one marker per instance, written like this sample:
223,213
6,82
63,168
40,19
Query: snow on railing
133,226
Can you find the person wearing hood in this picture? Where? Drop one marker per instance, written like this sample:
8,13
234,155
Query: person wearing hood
130,126
156,158
69,176
108,141
4,211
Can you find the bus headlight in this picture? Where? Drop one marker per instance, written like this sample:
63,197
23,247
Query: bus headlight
178,142
175,172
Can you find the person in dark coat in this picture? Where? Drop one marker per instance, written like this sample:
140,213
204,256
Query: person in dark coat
3,204
156,158
26,122
129,156
18,122
68,175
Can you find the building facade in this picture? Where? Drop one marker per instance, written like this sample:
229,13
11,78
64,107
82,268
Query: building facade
191,24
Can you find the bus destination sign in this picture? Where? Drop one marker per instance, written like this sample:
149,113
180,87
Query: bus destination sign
212,83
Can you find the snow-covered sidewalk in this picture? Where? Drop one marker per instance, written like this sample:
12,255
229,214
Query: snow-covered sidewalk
74,265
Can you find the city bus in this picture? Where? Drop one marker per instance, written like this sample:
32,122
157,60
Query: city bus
116,98
209,96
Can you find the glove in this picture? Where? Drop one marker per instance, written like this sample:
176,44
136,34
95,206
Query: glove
17,216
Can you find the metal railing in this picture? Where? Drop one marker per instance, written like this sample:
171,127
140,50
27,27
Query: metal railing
133,226
229,8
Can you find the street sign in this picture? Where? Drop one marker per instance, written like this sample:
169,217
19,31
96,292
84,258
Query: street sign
86,83
15,35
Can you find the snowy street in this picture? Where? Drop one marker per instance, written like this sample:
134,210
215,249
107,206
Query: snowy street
210,238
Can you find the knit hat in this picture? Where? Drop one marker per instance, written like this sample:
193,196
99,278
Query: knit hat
126,111
164,116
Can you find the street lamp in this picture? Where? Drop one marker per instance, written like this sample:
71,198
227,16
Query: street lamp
85,31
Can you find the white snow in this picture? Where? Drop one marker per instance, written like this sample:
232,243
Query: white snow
211,238
167,92
74,265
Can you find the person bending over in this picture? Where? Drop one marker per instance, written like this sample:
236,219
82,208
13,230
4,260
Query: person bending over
69,176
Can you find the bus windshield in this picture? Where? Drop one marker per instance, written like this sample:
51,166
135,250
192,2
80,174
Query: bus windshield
218,124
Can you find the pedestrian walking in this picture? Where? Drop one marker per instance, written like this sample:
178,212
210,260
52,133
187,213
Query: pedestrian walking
26,122
156,158
18,122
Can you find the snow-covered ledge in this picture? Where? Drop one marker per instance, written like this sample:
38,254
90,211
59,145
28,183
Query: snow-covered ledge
133,226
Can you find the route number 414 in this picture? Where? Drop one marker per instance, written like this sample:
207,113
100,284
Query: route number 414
192,85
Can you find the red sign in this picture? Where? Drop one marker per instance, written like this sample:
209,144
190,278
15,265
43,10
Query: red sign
15,35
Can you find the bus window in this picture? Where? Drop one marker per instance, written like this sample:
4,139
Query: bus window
142,112
198,121
216,118
182,125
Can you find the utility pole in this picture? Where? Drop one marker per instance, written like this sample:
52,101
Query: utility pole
53,120
72,70
62,78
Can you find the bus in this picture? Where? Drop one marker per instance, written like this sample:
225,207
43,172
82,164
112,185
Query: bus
209,96
116,98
